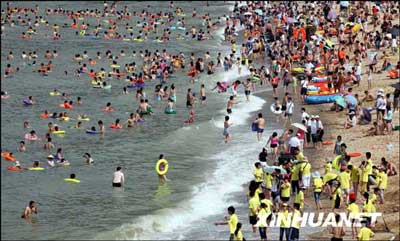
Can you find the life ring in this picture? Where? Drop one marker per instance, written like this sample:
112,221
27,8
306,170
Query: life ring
14,169
59,132
354,154
27,102
28,137
254,79
107,87
64,163
5,96
92,132
138,40
83,119
44,115
66,106
327,143
73,180
162,167
8,156
277,110
113,126
170,112
36,169
54,93
115,66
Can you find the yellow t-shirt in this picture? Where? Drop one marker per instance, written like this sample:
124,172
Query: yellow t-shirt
296,219
369,207
383,183
353,209
318,184
262,217
284,218
369,161
328,167
365,234
295,172
285,190
239,236
268,180
365,172
306,169
300,156
344,179
355,174
258,174
233,220
268,203
336,194
300,199
254,204
329,176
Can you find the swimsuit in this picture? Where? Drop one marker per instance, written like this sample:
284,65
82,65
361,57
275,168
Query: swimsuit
229,111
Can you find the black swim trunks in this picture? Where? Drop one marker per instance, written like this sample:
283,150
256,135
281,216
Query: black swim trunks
229,111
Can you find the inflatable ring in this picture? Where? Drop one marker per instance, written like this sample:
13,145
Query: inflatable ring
254,79
162,163
27,102
5,96
113,126
14,169
115,66
8,156
65,163
327,143
54,93
274,110
107,87
59,132
92,132
36,169
138,40
354,154
84,119
170,112
73,180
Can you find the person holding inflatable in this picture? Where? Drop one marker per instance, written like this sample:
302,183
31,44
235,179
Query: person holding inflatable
162,169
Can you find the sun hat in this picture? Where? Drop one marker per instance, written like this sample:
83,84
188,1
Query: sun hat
50,156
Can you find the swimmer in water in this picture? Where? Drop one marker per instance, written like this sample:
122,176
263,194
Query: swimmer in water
26,125
30,210
131,120
101,127
227,124
230,104
190,120
203,95
162,178
49,145
78,125
169,107
21,147
88,158
108,108
116,125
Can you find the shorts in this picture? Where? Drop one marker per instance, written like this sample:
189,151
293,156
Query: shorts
288,114
283,107
317,196
274,195
274,145
247,92
225,133
188,104
381,111
382,194
253,220
260,130
306,181
295,186
337,202
263,232
388,121
330,182
229,111
336,239
274,86
203,98
314,138
285,199
117,184
303,91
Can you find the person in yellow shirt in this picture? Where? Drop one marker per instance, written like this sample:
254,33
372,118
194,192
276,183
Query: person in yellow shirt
328,180
305,173
267,184
284,217
344,179
355,177
336,196
285,190
353,210
258,173
232,222
262,221
365,170
382,185
294,232
365,233
368,205
317,187
238,236
299,199
328,167
267,202
295,177
254,205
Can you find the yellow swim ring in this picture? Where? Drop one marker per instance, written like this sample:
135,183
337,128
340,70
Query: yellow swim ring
36,169
162,167
73,180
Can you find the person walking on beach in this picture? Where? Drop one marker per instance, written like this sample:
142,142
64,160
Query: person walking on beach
260,121
118,179
232,221
29,210
227,124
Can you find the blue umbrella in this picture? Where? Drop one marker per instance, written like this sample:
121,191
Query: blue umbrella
351,100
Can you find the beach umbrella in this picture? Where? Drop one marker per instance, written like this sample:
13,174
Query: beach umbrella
300,126
259,11
351,99
271,169
340,101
